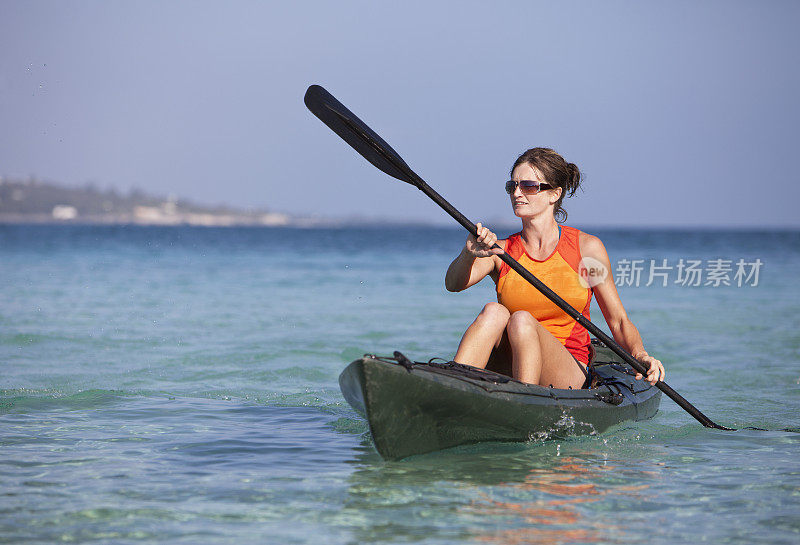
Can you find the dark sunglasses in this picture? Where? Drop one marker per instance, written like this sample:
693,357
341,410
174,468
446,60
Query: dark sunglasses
527,186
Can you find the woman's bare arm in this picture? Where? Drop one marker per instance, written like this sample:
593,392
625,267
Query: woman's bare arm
476,260
622,329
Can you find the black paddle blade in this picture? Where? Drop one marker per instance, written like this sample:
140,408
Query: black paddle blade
356,133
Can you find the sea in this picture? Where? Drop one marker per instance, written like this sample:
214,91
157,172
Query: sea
180,385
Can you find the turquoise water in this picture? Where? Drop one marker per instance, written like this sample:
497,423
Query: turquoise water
179,385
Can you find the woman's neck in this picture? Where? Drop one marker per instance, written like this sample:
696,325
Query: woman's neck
540,233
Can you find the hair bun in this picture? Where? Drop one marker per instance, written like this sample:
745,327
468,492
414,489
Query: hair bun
574,180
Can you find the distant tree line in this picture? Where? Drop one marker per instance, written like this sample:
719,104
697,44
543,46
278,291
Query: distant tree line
37,197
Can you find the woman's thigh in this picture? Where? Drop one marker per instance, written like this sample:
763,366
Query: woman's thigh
559,367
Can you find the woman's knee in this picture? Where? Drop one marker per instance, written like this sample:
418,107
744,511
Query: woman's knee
522,324
494,315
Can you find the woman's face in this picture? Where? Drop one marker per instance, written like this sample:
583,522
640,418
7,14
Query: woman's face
531,204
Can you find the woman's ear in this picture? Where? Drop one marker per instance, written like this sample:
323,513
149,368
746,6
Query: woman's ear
555,194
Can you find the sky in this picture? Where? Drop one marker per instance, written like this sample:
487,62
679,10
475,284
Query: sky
680,113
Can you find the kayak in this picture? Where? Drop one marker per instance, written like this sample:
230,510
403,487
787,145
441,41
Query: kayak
419,407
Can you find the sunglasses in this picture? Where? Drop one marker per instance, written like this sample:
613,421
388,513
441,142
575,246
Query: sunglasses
527,186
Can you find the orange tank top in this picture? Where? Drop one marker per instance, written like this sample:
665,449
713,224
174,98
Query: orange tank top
560,273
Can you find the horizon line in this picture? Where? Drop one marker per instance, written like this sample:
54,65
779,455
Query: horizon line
340,223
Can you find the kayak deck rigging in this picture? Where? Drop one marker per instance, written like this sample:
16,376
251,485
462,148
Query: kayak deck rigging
485,378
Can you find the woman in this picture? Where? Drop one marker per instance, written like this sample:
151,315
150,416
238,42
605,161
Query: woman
524,334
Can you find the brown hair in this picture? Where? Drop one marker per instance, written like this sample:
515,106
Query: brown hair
556,172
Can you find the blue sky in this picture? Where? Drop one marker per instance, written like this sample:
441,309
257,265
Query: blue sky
679,113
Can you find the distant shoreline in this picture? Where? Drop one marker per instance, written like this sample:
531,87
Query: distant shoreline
33,202
178,221
333,223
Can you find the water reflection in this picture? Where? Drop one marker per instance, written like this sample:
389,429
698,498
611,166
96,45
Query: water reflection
501,493
549,511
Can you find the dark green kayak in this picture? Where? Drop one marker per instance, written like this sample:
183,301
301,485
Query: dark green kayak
416,407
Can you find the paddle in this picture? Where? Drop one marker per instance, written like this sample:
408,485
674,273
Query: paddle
375,150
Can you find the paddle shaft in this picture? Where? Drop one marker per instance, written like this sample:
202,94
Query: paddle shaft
563,305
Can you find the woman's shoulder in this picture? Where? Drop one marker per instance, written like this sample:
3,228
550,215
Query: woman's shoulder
576,233
589,238
591,245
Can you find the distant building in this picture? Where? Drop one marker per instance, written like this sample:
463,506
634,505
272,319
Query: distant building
63,212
